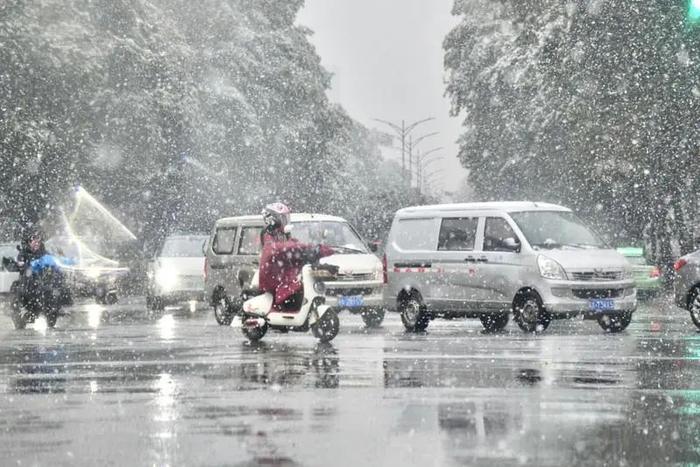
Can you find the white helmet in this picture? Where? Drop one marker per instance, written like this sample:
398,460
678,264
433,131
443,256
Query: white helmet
276,216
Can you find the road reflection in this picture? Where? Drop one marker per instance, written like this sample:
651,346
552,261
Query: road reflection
280,366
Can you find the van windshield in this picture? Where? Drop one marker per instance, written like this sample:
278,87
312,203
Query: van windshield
331,233
556,229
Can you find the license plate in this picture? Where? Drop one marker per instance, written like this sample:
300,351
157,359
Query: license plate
603,304
352,301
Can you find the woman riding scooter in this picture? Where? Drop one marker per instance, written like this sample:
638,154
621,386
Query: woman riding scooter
292,292
283,257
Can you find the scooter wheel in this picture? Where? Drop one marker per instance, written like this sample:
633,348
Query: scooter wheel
51,318
17,318
327,327
254,333
111,298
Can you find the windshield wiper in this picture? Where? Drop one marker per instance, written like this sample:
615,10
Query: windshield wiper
581,245
547,245
346,248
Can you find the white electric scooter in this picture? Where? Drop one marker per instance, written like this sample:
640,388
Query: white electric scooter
258,314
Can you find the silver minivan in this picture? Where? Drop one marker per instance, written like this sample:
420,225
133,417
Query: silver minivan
233,257
485,260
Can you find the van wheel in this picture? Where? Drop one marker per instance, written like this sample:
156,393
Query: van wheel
373,317
413,314
694,306
530,314
222,310
494,322
615,323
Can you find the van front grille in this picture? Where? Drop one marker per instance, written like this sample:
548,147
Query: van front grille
597,293
333,292
352,277
590,276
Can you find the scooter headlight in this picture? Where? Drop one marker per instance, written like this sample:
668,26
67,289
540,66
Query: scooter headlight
166,279
320,287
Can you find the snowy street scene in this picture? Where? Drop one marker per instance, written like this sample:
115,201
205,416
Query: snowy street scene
350,232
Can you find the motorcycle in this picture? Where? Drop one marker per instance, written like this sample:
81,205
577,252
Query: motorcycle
306,310
37,293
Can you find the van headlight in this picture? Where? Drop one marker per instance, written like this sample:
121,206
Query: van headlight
379,275
320,287
550,269
627,273
166,279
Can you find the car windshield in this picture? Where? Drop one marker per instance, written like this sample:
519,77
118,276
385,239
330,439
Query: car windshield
330,233
555,229
183,247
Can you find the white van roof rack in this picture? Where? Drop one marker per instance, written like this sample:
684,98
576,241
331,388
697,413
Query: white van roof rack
508,206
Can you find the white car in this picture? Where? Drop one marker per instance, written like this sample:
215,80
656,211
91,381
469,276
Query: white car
176,274
7,275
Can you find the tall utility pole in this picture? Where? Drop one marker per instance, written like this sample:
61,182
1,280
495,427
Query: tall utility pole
402,132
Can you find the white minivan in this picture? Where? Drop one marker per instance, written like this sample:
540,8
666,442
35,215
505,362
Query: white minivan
486,260
233,257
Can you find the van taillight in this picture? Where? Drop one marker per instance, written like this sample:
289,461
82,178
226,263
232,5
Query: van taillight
206,263
678,265
384,269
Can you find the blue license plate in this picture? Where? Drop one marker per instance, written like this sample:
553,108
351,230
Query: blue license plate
601,304
352,301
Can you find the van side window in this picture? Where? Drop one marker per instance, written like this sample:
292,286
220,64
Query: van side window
250,241
223,241
415,234
497,229
458,234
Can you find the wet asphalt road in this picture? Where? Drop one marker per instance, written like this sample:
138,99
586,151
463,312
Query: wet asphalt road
114,387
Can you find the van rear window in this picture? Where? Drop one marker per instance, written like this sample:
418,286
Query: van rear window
458,234
223,241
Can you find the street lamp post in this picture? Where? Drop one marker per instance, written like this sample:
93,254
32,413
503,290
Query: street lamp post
412,144
431,175
425,165
420,158
403,132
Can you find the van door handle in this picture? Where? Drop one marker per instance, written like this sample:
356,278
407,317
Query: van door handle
256,262
483,259
470,259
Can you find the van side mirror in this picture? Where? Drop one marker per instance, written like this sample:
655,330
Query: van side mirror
9,264
511,244
374,246
204,247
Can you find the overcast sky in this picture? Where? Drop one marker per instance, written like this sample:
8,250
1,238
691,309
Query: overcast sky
387,59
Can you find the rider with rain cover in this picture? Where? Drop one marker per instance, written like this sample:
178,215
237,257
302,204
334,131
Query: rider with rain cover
283,257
